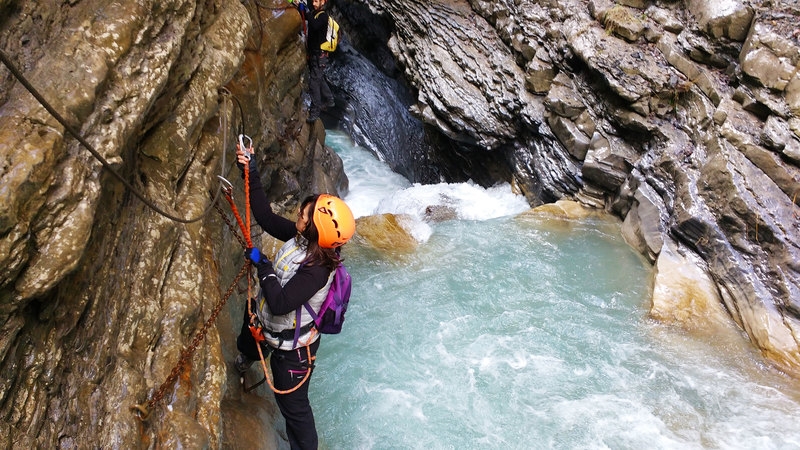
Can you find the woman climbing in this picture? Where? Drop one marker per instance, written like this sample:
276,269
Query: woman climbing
302,273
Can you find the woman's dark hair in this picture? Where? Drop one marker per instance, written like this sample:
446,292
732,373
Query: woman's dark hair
327,257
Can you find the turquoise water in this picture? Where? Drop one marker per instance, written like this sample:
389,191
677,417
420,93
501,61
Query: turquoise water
511,331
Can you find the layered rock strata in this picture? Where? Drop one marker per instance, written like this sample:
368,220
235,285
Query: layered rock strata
682,119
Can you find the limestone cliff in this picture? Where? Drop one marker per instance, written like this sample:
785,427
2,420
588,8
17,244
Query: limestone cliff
100,292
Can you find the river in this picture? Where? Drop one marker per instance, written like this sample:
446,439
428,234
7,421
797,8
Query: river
507,330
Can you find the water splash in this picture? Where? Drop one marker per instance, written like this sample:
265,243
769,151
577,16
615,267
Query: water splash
375,189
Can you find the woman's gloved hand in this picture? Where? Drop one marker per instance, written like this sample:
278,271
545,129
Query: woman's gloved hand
245,157
255,255
262,263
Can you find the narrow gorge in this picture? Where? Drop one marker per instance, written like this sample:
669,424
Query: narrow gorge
680,118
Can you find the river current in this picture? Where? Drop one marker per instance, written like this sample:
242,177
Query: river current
506,330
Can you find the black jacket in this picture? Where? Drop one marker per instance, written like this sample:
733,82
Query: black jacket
317,29
308,279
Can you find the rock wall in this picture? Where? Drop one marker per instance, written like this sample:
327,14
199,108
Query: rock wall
100,293
680,117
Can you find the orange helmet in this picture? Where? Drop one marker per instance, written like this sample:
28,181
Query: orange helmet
334,221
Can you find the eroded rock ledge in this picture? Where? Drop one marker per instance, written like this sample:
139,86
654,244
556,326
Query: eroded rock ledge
682,120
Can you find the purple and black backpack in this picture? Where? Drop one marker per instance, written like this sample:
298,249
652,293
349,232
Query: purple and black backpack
331,313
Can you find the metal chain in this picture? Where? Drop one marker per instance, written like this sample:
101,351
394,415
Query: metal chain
143,412
230,225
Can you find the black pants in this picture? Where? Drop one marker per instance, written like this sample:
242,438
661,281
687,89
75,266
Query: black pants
289,367
320,91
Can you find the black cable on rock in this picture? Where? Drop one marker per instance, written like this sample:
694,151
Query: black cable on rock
21,78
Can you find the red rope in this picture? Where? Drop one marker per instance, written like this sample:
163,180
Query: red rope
246,231
247,200
239,217
245,227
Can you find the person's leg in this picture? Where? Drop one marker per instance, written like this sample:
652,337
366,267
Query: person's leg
315,80
288,369
324,90
247,346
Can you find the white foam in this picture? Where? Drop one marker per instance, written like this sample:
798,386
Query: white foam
528,342
375,189
468,200
370,179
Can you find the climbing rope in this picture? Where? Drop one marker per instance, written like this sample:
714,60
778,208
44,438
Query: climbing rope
21,78
247,151
230,225
305,378
227,191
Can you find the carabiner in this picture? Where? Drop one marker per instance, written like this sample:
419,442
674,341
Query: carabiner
227,187
248,149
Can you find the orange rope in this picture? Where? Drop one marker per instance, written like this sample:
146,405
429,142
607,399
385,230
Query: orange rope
245,226
246,231
305,378
247,200
239,219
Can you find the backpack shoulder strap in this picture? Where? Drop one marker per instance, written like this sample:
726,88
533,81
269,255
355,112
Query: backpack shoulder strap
310,311
297,317
296,328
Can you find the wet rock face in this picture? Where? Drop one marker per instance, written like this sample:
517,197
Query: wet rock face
682,118
375,104
100,293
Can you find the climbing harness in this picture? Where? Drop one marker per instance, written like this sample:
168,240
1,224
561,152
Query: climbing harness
256,329
310,363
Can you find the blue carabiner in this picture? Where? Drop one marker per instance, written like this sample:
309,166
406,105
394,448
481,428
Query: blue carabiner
247,150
